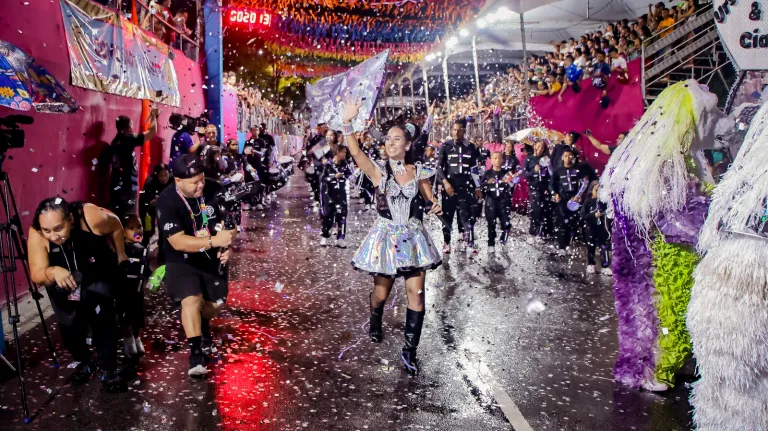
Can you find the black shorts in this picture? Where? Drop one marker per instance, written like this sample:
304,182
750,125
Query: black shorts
182,281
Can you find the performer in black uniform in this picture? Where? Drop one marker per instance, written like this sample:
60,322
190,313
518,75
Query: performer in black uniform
564,187
597,228
457,169
70,254
510,157
333,196
497,190
569,144
537,173
313,176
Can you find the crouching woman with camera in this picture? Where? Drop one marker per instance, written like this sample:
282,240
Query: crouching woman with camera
70,254
195,256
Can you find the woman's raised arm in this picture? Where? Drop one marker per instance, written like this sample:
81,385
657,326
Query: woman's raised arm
351,109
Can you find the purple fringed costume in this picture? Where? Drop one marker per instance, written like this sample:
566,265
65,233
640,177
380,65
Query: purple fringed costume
633,290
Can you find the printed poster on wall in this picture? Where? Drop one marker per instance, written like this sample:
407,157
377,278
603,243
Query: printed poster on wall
107,53
326,97
743,30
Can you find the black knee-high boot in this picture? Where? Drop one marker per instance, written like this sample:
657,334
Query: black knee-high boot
375,327
414,320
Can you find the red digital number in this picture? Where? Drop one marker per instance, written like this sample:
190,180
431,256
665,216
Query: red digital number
249,17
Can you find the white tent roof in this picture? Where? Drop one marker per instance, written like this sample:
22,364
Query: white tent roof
497,26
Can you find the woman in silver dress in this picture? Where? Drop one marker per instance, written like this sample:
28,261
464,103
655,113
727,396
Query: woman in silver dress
398,245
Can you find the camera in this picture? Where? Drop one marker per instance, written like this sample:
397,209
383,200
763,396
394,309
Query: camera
10,134
228,200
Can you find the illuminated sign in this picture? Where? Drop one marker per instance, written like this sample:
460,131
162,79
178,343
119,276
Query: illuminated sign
249,16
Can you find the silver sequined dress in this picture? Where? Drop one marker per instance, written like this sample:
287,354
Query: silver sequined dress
398,245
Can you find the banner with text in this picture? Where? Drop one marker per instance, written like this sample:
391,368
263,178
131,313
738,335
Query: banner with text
108,53
327,96
742,29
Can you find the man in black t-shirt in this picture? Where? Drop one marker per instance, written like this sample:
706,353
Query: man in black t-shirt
124,168
194,254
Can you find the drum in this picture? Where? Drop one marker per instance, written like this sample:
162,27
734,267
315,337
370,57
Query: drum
274,174
285,161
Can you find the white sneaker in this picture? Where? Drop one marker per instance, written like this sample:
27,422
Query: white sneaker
590,269
530,240
606,271
267,200
654,386
560,252
246,207
198,370
323,242
340,243
447,249
273,195
491,250
260,207
471,251
540,240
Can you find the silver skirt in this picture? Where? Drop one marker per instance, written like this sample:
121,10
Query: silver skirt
391,250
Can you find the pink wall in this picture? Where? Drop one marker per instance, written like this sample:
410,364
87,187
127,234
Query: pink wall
579,112
62,146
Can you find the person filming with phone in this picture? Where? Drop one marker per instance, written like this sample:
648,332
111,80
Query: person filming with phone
71,255
196,255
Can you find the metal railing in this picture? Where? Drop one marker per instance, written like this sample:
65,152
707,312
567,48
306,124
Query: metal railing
190,47
253,116
486,131
161,28
691,49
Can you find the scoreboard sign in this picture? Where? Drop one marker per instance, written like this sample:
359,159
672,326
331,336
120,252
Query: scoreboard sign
247,16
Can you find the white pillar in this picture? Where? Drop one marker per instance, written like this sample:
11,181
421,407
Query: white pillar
425,84
525,59
477,72
447,85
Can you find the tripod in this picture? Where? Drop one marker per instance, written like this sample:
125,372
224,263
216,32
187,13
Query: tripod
13,247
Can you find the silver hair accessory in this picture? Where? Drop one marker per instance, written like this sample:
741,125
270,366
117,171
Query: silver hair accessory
411,129
398,167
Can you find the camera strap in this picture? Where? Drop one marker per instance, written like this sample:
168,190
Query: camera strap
192,215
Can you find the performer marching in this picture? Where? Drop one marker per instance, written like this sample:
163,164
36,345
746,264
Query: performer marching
398,245
457,168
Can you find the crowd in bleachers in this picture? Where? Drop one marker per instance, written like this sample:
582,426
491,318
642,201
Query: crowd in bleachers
587,60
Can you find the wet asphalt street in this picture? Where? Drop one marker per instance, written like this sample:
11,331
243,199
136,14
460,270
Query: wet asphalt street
294,352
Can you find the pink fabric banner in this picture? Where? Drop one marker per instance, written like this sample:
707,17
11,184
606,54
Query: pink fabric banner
579,112
229,114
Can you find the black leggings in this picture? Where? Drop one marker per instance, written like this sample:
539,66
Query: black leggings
94,311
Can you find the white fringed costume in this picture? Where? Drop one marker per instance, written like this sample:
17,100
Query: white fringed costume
728,311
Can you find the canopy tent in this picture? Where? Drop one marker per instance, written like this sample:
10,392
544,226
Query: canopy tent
505,29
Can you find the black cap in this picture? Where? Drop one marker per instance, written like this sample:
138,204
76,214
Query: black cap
186,166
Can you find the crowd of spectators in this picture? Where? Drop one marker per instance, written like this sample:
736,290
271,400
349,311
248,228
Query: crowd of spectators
588,60
252,108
